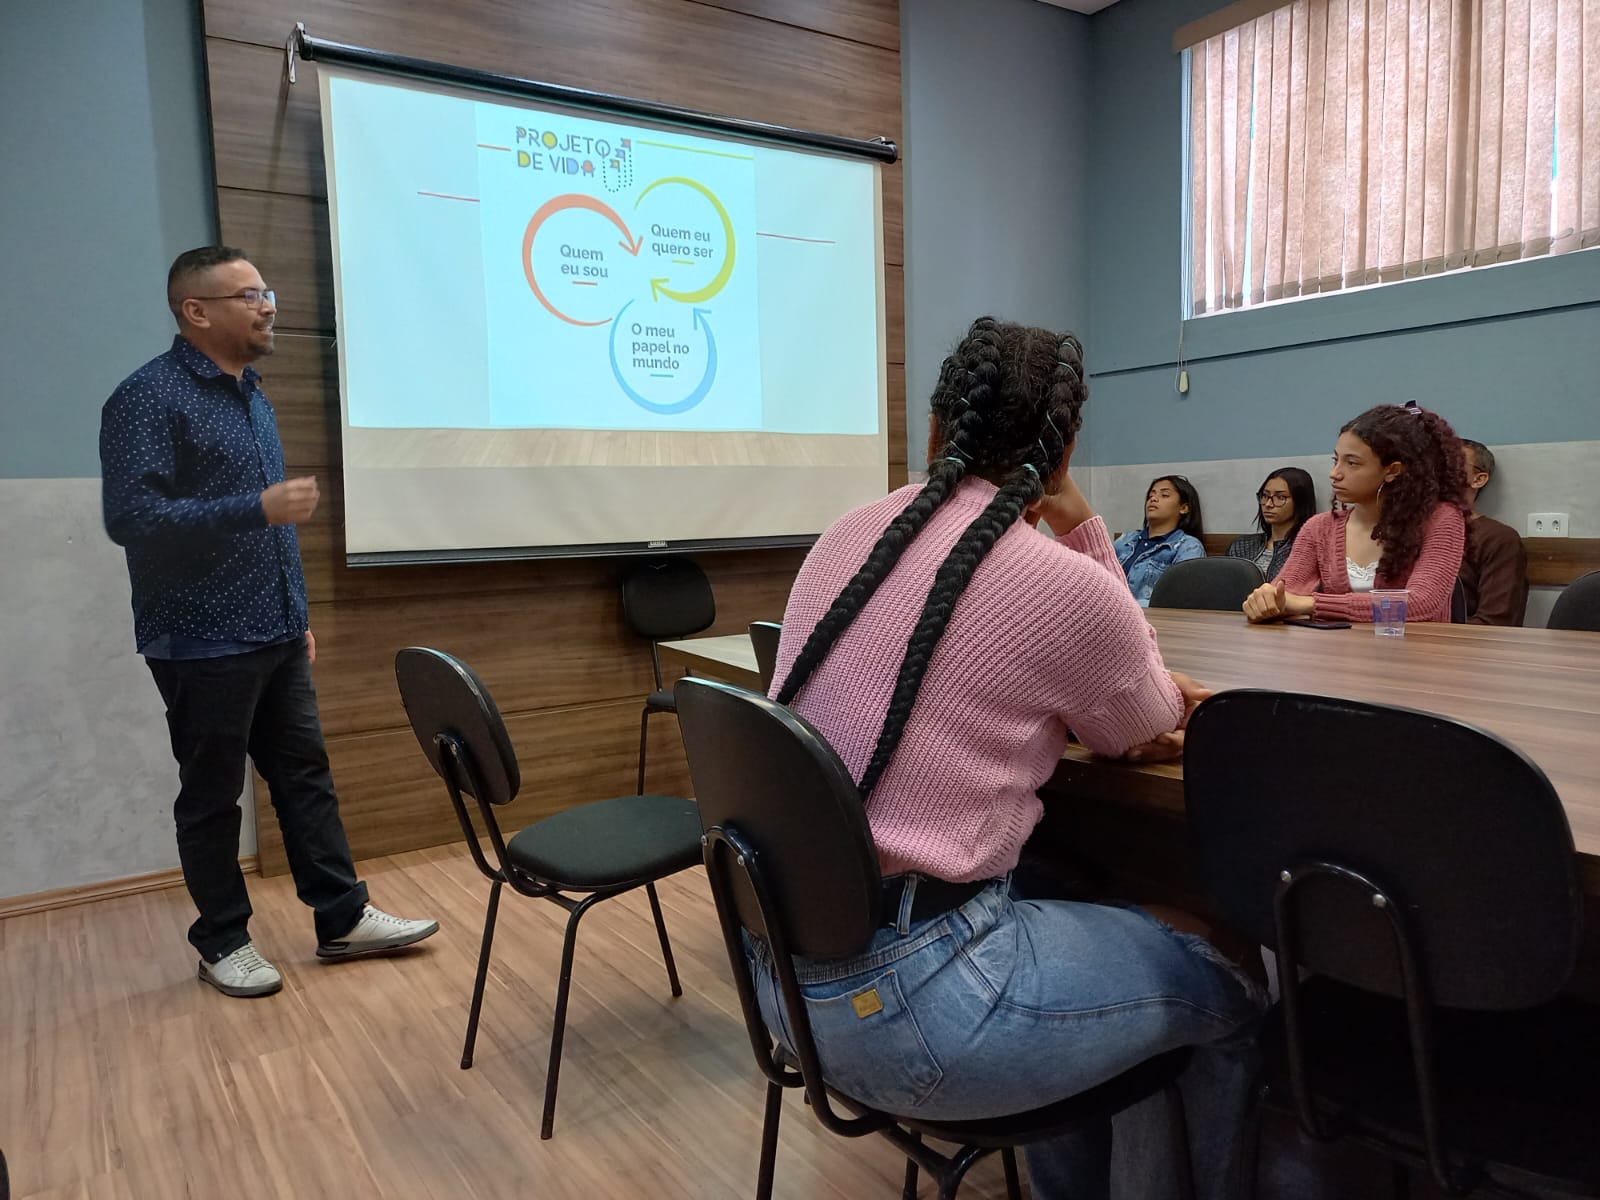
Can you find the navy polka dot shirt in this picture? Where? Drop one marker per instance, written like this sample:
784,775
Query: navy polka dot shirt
185,452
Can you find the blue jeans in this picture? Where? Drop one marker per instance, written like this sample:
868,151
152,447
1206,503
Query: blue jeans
1003,1005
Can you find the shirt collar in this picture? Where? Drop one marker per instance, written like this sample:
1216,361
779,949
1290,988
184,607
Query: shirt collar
199,362
1144,534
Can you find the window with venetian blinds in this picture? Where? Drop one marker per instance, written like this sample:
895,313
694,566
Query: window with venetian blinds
1339,143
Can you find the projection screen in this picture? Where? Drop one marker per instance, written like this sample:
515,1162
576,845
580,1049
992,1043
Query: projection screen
563,332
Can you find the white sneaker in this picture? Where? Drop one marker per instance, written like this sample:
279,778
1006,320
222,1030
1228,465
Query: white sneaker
375,931
242,973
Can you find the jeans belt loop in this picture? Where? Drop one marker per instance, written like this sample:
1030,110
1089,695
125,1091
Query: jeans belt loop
908,897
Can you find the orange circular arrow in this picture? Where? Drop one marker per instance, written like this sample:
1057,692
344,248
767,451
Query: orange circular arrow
551,207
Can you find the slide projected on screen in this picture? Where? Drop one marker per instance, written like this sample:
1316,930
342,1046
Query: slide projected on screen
563,329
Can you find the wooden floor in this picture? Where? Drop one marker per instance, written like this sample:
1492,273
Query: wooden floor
123,1078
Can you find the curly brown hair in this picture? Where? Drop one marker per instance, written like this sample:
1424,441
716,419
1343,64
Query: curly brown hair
1435,471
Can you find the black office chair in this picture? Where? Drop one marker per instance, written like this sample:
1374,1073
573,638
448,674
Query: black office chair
1422,872
603,849
662,600
1578,606
791,861
1458,603
1217,584
764,637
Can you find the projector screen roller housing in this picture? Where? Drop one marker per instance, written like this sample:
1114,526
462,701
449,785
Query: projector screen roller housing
563,332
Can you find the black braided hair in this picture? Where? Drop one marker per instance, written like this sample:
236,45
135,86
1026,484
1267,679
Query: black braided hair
1008,404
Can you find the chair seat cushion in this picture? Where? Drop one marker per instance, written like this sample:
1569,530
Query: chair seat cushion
1518,1096
662,701
611,843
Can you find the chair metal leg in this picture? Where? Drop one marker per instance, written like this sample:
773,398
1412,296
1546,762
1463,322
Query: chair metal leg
553,1071
1177,1122
1008,1157
909,1190
661,932
483,974
644,737
769,1142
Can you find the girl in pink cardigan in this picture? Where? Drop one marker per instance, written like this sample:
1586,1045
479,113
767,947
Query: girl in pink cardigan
1399,473
944,645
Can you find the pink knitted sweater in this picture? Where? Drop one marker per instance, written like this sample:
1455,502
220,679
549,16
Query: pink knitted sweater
1045,636
1317,567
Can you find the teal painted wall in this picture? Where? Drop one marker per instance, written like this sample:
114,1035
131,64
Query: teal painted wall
107,178
1509,354
996,99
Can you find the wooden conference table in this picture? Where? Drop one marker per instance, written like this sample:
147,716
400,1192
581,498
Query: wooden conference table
1539,689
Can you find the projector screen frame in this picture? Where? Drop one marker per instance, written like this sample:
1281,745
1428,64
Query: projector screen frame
449,77
488,554
879,149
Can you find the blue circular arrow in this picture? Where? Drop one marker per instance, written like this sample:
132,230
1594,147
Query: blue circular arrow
700,392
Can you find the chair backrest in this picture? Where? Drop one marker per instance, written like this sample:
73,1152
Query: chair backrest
442,695
667,598
1458,603
1218,584
764,637
761,769
789,857
1462,832
1578,606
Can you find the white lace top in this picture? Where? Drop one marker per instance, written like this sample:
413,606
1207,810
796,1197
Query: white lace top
1361,578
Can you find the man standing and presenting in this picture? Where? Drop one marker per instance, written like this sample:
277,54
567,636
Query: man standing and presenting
1494,570
194,490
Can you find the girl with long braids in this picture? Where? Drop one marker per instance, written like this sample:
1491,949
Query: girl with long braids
944,645
1400,475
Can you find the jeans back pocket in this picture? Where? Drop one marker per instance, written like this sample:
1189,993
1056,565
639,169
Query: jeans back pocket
870,1044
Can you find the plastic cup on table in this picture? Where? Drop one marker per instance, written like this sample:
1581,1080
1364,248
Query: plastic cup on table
1389,611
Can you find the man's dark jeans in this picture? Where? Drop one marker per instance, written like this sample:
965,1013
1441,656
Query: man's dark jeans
262,704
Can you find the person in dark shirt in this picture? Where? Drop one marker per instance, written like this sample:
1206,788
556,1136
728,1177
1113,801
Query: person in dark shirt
194,490
1494,570
1286,501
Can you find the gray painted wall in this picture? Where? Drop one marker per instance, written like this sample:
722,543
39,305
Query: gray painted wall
996,101
106,179
1508,353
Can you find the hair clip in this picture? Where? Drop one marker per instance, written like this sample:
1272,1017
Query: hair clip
1050,421
1412,407
956,455
1028,466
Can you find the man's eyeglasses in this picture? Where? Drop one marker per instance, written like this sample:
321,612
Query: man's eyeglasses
252,297
1274,497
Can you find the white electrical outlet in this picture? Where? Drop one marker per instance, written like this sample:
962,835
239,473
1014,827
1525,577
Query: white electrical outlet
1547,524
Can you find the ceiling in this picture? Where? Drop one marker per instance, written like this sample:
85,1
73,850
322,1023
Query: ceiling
1081,6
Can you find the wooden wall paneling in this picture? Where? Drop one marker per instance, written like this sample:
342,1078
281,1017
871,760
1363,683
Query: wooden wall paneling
1558,561
286,237
674,51
547,636
302,380
876,22
898,434
894,286
534,648
391,800
268,133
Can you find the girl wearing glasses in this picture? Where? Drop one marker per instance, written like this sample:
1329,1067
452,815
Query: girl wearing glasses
1287,500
